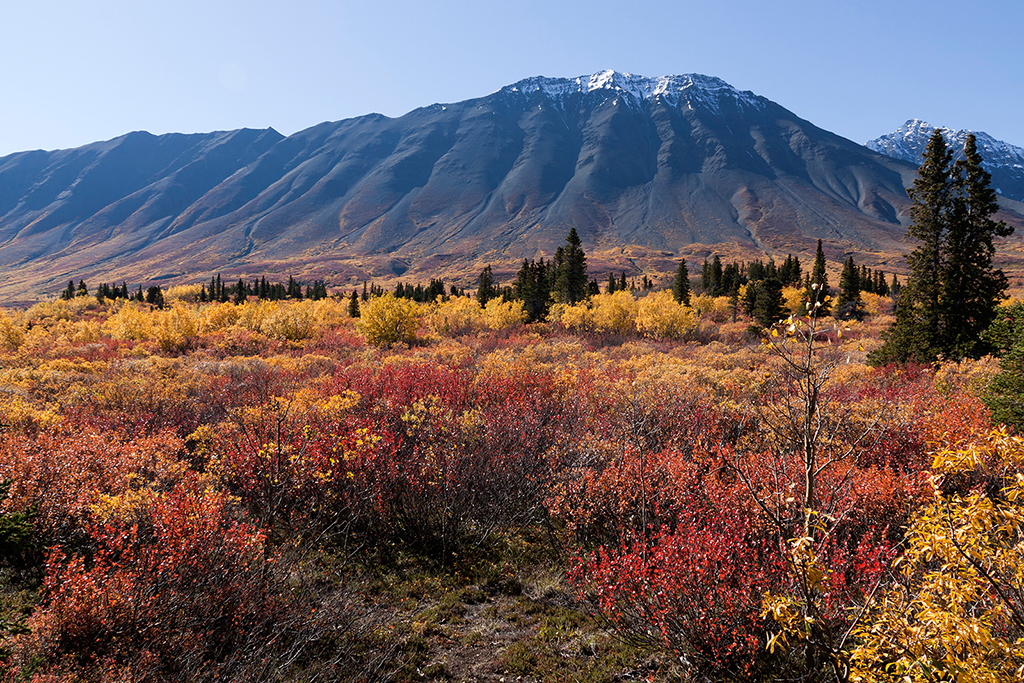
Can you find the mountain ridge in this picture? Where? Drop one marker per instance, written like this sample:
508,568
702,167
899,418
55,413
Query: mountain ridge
1003,160
646,169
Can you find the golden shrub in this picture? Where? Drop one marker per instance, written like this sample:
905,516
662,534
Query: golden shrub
329,312
11,334
182,293
174,329
289,321
130,322
500,315
875,304
386,320
575,317
458,316
658,315
219,316
793,300
614,313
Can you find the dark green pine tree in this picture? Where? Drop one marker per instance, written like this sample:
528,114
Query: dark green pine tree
822,293
353,305
82,289
848,303
914,334
485,289
715,288
767,309
570,286
613,284
971,288
240,291
533,288
951,295
69,291
681,285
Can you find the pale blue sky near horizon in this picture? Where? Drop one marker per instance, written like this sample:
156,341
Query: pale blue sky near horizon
79,72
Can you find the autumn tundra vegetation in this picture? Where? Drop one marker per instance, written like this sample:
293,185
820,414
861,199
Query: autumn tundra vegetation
747,476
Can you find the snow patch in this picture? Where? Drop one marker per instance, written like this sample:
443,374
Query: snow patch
693,90
909,141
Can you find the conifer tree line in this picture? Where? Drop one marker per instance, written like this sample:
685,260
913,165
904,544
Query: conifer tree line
261,289
762,283
953,290
563,279
430,292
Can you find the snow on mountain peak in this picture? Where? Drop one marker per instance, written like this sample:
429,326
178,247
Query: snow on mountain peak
691,88
908,142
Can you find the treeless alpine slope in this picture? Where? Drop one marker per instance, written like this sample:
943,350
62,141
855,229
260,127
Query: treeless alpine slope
646,169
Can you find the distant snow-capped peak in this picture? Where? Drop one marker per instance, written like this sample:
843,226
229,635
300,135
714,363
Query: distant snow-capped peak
909,141
691,88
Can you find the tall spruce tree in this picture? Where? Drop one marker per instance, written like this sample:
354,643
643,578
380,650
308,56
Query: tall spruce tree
952,292
767,306
848,303
681,285
570,286
819,277
970,287
715,288
485,289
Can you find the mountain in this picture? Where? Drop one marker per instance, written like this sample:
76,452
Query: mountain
1004,161
646,169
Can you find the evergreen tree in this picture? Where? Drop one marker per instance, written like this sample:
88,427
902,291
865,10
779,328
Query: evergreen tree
240,291
716,276
767,308
82,289
570,284
749,301
485,289
881,286
613,284
970,288
353,305
819,277
732,278
952,292
848,303
533,288
790,271
154,295
69,291
681,285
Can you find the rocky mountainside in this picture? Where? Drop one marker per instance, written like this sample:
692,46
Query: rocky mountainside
1004,161
646,169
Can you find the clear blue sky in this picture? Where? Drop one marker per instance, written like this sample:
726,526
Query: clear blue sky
76,72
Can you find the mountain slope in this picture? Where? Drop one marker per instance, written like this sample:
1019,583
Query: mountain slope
644,168
1004,161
